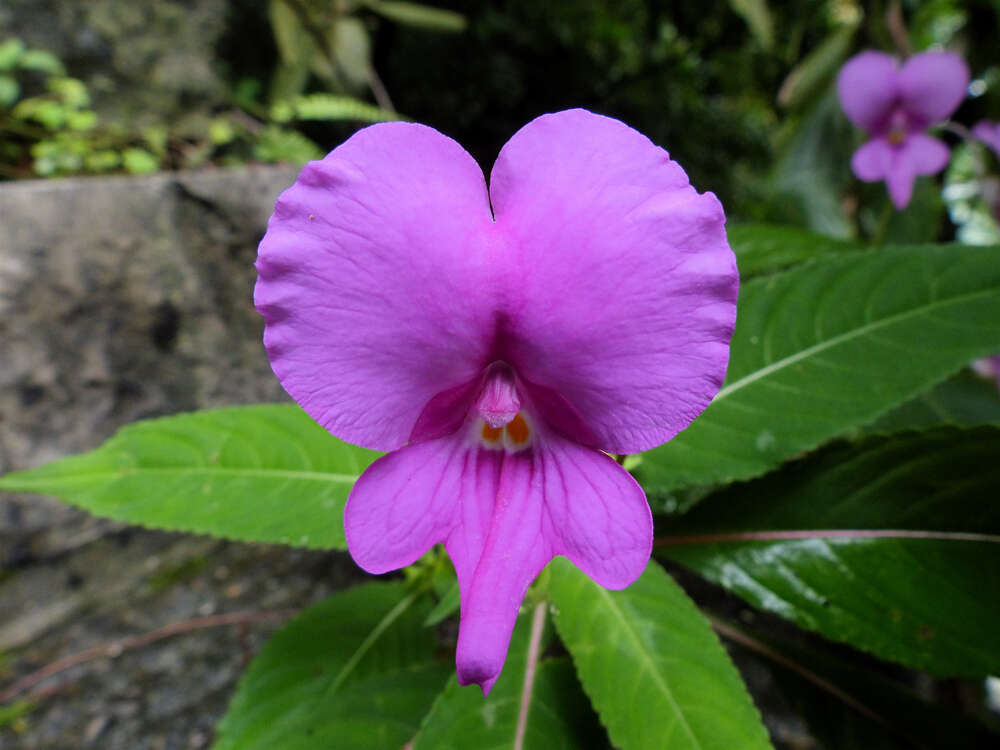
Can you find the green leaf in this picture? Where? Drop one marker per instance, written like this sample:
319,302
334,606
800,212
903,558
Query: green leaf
350,43
296,45
812,172
449,605
256,473
651,664
40,60
354,671
917,544
277,144
810,77
421,16
758,18
102,161
557,713
333,107
50,114
828,347
9,90
85,120
71,91
848,707
767,248
11,51
963,400
139,161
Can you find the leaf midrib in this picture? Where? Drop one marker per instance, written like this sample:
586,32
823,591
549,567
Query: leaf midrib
665,688
840,338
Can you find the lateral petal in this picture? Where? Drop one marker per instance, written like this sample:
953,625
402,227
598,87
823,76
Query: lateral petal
873,160
373,282
619,284
418,496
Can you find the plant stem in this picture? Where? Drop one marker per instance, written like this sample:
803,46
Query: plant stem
116,648
534,651
777,536
878,238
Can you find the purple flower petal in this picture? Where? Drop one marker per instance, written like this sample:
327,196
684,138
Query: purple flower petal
621,287
873,160
593,311
501,516
931,86
868,90
899,165
989,133
373,283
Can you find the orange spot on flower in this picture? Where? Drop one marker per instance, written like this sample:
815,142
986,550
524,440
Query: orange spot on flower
491,434
518,430
896,136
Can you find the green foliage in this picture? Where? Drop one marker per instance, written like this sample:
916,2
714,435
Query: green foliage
817,351
288,477
556,716
322,38
767,248
12,715
414,14
963,400
355,670
56,127
918,601
651,664
854,708
328,107
277,144
757,14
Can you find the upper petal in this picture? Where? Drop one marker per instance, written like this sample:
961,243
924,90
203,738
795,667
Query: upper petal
868,88
372,281
932,85
619,284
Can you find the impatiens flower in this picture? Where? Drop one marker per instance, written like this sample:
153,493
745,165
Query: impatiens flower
895,105
500,342
989,367
989,133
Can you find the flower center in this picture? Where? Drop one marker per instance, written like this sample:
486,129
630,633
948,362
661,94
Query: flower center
512,437
898,128
502,425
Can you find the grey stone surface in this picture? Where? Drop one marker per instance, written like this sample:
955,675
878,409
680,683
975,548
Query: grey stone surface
123,298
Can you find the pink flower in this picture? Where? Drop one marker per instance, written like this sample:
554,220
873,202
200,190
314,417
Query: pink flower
895,105
989,133
988,367
497,341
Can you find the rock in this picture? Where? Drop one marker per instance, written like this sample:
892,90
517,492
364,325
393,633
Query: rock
123,298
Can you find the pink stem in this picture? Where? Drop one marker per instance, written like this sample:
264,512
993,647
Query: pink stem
775,536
